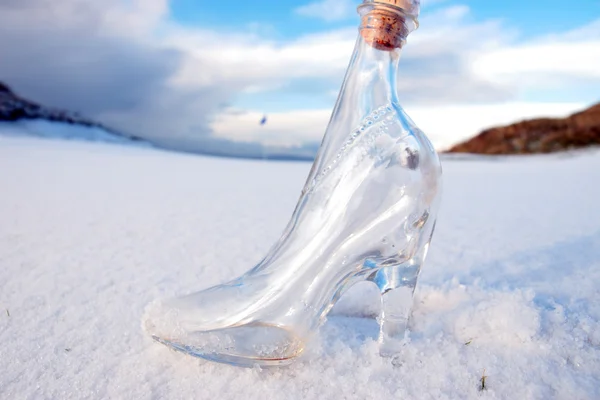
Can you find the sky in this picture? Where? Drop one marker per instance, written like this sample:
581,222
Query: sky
201,74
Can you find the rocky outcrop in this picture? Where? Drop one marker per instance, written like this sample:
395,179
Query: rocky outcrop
544,135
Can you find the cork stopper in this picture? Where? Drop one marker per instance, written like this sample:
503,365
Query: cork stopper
385,24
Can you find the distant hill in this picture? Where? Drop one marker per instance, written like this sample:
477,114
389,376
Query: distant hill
15,108
543,135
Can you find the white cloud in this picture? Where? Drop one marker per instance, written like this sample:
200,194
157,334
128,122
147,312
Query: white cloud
547,62
292,128
434,68
255,61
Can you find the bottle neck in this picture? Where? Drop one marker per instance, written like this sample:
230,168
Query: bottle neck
371,77
371,80
369,91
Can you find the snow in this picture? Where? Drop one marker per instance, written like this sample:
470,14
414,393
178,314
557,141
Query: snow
57,130
90,233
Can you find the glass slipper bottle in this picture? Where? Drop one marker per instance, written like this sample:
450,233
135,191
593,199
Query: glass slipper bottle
367,213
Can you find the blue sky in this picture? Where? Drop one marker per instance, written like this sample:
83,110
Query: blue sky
197,73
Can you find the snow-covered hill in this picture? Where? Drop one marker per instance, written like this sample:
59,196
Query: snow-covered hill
91,233
59,130
19,116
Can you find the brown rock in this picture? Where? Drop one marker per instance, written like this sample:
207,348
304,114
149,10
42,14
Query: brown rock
543,135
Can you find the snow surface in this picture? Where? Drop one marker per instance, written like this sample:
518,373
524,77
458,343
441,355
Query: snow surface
90,233
58,130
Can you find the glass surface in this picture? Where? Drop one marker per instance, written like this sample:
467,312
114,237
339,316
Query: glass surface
367,212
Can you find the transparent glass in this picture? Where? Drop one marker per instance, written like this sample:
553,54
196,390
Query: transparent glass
367,213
